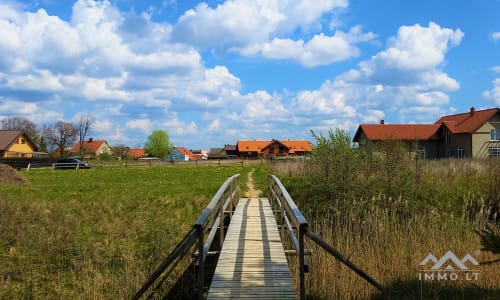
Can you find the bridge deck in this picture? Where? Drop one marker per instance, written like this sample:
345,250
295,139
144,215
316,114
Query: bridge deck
252,263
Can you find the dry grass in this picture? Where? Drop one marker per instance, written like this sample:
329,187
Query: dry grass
388,238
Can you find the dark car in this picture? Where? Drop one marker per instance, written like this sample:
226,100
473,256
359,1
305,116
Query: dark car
71,163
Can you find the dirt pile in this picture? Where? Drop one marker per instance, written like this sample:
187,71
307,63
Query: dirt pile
9,175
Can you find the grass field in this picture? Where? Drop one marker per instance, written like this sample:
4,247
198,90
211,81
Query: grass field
388,236
98,233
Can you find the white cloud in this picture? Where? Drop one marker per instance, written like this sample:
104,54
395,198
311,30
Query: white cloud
261,28
325,101
319,50
496,69
143,125
494,93
405,78
495,36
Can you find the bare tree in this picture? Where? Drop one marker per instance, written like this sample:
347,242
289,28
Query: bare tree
83,129
18,123
61,135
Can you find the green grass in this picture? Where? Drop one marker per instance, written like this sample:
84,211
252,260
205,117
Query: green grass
98,233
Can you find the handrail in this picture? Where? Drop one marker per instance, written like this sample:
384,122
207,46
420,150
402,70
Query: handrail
288,208
211,219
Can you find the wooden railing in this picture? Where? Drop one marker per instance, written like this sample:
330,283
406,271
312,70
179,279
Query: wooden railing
210,221
296,224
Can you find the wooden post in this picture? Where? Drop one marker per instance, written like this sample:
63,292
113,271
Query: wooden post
301,262
221,220
201,262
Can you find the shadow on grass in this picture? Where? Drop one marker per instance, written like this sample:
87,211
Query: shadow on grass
416,289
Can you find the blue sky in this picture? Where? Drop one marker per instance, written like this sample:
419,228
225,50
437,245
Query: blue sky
211,73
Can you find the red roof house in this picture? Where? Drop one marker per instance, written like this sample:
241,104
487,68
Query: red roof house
91,148
471,134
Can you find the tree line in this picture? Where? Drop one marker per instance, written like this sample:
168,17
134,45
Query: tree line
58,136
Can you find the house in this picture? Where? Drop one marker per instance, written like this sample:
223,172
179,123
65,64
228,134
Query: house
273,148
472,134
231,151
217,153
228,152
181,154
136,153
91,148
15,143
423,139
199,154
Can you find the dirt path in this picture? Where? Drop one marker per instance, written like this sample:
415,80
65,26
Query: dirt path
251,192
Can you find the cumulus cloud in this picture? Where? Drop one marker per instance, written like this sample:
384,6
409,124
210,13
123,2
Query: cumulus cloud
319,50
264,28
140,124
494,93
406,78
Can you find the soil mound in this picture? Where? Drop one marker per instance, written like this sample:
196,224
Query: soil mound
9,175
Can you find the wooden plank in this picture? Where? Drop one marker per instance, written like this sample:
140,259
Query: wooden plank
252,263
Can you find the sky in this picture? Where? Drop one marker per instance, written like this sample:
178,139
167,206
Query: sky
211,73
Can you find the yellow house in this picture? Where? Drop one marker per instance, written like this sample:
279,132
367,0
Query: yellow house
14,143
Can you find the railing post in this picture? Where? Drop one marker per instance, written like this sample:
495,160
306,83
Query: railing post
201,261
302,229
221,220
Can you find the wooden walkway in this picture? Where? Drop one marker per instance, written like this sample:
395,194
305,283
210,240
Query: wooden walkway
252,263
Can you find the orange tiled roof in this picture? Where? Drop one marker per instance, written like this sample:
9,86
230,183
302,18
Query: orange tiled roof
467,122
379,132
251,146
297,146
136,153
257,146
89,146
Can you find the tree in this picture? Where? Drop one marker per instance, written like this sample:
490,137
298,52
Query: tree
28,127
158,144
336,160
61,135
83,129
18,123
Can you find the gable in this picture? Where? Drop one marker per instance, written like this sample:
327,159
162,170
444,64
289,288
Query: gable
10,139
468,122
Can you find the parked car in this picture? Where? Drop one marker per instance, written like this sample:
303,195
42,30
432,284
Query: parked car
71,163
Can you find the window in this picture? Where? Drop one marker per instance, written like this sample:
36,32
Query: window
494,135
449,154
460,152
494,151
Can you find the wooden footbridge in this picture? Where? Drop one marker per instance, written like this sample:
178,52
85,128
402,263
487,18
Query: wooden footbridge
252,261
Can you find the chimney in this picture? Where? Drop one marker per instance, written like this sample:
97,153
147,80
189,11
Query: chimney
472,111
382,122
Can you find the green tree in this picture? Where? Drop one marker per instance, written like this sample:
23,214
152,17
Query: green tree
336,160
158,144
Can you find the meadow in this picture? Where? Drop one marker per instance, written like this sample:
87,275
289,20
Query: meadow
386,211
98,233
